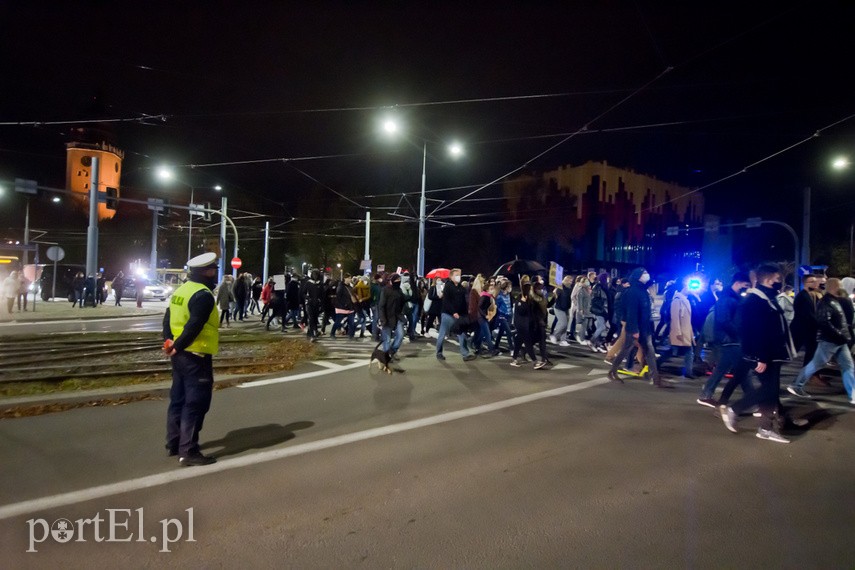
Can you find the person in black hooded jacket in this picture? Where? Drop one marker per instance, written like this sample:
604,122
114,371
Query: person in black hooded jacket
635,303
767,344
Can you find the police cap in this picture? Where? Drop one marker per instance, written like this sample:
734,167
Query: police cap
203,261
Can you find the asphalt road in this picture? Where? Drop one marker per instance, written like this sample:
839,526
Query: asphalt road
440,465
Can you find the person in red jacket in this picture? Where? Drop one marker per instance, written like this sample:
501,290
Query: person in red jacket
266,296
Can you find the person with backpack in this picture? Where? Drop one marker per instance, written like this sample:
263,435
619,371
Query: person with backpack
721,328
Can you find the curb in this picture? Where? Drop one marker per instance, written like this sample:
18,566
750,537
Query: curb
80,318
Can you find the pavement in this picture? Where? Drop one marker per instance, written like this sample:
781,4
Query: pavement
61,310
442,464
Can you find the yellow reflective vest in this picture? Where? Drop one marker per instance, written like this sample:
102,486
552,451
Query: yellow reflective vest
207,342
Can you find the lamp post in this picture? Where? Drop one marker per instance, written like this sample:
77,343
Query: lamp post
842,163
455,150
166,174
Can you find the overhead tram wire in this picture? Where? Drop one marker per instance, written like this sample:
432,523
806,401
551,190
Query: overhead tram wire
745,169
562,141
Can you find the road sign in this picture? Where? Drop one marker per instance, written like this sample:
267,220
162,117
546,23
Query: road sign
197,210
672,231
55,253
236,262
381,268
155,204
753,222
711,226
26,186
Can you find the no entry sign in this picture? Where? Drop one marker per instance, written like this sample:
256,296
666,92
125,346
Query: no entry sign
236,263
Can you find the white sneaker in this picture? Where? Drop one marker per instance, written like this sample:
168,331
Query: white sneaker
771,435
552,339
728,416
563,343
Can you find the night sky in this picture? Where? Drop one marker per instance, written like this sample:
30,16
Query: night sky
257,80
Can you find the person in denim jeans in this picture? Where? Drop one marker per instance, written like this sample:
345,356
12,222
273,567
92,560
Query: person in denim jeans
391,315
835,337
454,306
504,314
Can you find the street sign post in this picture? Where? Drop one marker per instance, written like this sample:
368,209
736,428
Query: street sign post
55,253
26,186
672,231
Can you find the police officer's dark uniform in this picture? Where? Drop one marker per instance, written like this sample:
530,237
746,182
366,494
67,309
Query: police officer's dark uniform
191,321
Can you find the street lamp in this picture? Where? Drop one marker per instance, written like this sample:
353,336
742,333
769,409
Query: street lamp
840,163
455,150
166,174
340,271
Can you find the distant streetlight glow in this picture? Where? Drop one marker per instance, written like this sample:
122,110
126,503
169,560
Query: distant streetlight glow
840,163
218,188
165,173
56,199
455,149
390,126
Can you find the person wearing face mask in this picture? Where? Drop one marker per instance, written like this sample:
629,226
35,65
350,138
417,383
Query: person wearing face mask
391,315
504,314
835,338
191,339
682,335
344,307
433,305
454,306
562,308
726,338
804,325
636,309
767,344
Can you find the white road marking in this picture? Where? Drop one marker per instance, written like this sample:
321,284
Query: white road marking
303,376
327,364
563,366
596,371
111,489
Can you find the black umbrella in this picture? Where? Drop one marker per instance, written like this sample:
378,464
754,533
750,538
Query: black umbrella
519,267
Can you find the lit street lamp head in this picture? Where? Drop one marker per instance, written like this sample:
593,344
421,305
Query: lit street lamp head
840,163
455,149
218,188
165,173
390,127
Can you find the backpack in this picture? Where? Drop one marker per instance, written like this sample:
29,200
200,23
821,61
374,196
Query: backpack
708,330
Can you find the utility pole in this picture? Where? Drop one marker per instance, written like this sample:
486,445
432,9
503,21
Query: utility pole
222,264
266,250
367,256
153,261
420,259
92,232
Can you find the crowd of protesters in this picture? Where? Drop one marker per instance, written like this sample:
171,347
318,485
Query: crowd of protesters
742,329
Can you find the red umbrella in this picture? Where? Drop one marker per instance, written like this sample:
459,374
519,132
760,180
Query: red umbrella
440,272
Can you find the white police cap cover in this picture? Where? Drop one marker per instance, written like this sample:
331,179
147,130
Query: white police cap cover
201,261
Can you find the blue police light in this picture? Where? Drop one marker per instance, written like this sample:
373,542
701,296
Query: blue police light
694,284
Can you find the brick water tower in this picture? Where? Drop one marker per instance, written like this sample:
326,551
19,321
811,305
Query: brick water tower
78,168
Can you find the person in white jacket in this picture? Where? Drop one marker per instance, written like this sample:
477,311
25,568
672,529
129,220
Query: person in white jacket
682,336
10,290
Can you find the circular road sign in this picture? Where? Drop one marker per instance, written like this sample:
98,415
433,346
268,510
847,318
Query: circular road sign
236,263
55,253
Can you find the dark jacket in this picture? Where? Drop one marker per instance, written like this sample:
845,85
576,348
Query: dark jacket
804,323
636,306
343,297
312,296
391,307
763,328
599,301
454,299
831,320
619,313
562,303
292,295
726,329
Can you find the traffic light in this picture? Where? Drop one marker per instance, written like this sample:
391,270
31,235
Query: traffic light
112,198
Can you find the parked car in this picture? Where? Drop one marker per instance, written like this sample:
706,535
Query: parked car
65,273
153,290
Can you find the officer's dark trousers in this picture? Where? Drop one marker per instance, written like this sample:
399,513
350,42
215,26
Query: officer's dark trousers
189,401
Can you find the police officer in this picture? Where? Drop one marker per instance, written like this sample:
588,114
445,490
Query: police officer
191,334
